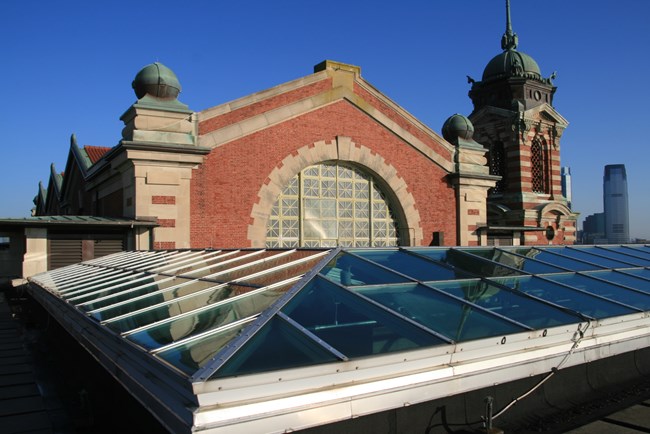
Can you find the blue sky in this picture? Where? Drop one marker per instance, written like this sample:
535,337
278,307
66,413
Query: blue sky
68,68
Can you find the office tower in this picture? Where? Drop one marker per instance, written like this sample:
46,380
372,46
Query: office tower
617,221
566,184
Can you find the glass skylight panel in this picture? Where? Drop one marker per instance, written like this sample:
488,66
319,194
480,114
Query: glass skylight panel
593,258
520,262
179,290
514,305
570,298
222,262
190,355
613,292
283,271
261,264
124,291
416,267
639,272
479,266
622,278
352,325
437,254
278,345
193,316
617,254
190,262
636,251
439,312
349,270
553,258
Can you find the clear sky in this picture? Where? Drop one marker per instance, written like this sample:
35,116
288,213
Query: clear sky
68,66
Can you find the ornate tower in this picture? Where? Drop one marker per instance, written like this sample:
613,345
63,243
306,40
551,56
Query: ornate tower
514,118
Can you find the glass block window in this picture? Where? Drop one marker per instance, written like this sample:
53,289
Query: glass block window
538,167
332,204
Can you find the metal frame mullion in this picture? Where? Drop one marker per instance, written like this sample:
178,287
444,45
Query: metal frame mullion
280,267
116,294
83,275
167,259
318,341
114,279
249,264
92,280
207,333
443,293
94,300
598,255
208,306
219,264
563,269
590,294
630,254
391,311
627,273
553,251
187,262
157,305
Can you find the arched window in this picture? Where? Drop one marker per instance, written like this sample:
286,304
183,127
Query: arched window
331,204
538,168
497,164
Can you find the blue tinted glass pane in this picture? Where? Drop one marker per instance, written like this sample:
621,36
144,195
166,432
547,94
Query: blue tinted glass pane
351,324
640,272
604,289
622,278
520,262
191,356
618,255
348,270
277,345
437,254
631,250
572,299
411,265
554,259
514,305
586,256
472,264
450,317
183,326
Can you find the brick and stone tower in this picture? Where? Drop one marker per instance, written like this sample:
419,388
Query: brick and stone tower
515,119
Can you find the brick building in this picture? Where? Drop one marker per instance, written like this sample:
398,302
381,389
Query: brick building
329,160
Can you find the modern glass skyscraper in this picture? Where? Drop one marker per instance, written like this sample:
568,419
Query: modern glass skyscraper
617,220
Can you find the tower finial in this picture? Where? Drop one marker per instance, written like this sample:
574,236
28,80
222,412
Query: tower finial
509,39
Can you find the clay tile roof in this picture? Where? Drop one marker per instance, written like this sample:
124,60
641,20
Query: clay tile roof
95,153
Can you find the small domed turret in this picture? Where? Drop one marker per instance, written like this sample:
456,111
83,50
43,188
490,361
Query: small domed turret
158,81
457,126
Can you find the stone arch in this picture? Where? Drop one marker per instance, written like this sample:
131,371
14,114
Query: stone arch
345,150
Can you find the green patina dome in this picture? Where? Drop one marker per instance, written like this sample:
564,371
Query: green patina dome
156,80
457,126
512,63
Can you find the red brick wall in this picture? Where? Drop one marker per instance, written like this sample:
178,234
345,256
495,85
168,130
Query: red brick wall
224,188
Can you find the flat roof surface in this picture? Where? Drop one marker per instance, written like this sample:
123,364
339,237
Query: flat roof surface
200,316
71,220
